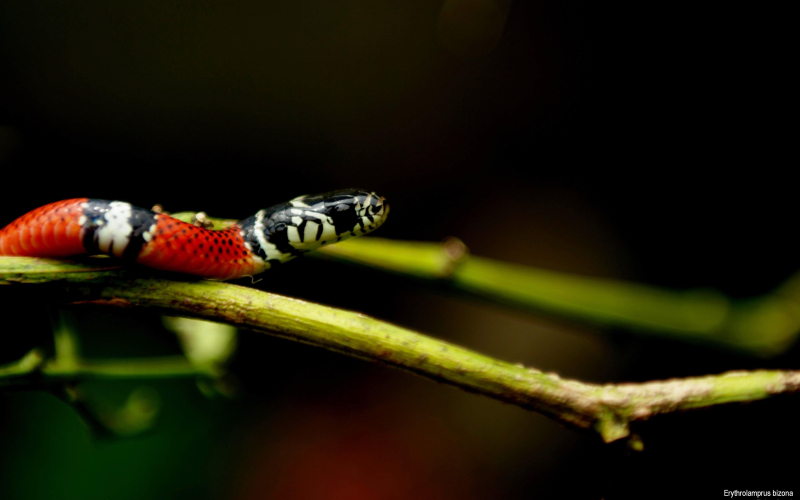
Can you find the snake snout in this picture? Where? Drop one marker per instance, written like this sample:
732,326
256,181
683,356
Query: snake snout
377,210
378,205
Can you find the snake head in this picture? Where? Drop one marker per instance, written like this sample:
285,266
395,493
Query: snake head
337,215
284,231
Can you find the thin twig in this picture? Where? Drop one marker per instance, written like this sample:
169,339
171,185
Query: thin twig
34,370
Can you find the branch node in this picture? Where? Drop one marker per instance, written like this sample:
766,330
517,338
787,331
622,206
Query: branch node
611,425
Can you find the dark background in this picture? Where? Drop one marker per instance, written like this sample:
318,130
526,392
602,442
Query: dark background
641,141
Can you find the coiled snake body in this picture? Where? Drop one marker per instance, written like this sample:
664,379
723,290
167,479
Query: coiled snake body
271,236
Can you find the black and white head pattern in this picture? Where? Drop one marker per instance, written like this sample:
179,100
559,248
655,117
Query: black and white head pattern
284,231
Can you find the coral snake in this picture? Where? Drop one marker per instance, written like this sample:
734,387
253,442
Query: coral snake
271,236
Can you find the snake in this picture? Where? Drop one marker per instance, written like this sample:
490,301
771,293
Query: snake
272,236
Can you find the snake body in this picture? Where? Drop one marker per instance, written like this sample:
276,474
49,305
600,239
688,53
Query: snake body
273,235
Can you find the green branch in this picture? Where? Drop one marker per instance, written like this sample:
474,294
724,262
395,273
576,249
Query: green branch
764,326
607,410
